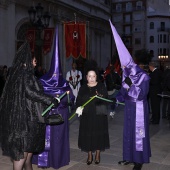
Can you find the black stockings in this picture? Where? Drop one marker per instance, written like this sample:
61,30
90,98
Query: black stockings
97,157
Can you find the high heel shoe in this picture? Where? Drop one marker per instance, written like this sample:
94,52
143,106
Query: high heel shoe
97,161
89,161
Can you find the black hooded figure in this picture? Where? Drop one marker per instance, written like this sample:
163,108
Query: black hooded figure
22,102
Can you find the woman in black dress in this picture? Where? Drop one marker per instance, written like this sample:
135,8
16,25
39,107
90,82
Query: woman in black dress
22,102
93,130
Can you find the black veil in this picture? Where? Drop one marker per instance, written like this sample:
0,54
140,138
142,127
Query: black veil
13,103
22,60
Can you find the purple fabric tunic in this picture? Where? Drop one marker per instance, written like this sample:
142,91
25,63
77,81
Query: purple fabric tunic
57,152
130,152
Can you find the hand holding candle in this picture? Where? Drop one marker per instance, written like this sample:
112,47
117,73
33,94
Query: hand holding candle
60,97
68,97
80,109
57,98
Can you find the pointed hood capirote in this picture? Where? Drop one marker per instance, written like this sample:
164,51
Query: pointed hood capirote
53,81
129,67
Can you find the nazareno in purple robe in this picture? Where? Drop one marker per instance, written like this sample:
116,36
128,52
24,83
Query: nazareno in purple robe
131,96
136,143
57,149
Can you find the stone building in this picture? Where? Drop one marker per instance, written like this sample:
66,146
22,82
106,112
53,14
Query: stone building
14,21
144,24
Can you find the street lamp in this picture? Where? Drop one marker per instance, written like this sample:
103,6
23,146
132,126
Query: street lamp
162,59
39,20
38,12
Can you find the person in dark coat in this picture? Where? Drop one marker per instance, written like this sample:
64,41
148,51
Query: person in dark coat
134,91
93,129
39,72
23,100
113,84
166,91
168,88
154,90
3,76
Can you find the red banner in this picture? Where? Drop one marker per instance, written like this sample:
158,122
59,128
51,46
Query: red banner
48,39
30,35
75,39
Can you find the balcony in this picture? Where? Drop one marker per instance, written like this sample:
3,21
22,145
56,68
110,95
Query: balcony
163,29
133,9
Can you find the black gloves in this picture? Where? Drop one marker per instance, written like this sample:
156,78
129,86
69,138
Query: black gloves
55,102
114,101
128,81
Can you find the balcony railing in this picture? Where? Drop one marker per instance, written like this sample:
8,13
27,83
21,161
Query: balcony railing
163,29
129,10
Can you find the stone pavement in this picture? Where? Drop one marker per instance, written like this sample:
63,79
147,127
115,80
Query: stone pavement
160,146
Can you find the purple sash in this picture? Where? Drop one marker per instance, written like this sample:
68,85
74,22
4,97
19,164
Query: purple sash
140,127
43,157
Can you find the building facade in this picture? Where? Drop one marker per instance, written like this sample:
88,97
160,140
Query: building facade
158,31
14,21
129,17
143,24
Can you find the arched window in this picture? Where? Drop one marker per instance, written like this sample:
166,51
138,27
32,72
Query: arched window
139,5
151,39
151,53
128,6
21,34
119,7
151,25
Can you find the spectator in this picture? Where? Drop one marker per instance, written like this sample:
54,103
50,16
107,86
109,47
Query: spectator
113,84
73,77
39,72
166,91
154,90
93,129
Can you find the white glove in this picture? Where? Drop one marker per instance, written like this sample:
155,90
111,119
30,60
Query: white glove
79,110
57,99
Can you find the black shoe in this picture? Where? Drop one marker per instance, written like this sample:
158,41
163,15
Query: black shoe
89,161
123,162
137,166
97,161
